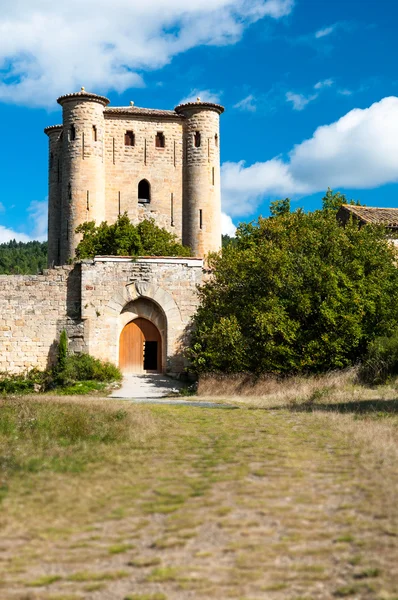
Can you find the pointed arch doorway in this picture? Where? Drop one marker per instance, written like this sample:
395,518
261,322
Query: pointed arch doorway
140,347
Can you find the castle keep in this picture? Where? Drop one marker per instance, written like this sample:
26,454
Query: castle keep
104,161
164,164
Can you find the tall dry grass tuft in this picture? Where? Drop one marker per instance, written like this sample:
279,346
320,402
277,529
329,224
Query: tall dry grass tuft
269,389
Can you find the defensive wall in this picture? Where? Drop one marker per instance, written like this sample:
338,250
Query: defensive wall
93,301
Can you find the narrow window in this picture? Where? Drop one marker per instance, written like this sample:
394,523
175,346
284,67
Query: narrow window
172,209
113,150
69,191
144,192
212,176
88,200
160,140
129,138
119,203
197,139
216,140
94,133
72,133
200,219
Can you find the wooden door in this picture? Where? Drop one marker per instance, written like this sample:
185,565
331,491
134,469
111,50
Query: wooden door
132,351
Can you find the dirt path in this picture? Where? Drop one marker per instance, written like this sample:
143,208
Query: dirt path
245,504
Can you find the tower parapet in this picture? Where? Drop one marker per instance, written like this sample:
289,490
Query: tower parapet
83,170
201,177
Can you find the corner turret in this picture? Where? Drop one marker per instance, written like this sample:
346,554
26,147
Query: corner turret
201,176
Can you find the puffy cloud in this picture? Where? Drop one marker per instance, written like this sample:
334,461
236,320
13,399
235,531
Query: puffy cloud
49,48
359,151
247,104
300,101
204,95
227,226
6,235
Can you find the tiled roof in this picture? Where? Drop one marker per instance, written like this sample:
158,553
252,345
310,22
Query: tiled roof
217,107
378,216
83,94
136,110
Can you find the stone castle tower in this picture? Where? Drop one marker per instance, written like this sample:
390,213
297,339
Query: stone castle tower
164,164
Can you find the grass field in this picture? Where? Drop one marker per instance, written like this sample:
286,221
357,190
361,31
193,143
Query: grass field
288,497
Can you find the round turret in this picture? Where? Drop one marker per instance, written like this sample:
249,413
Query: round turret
83,171
201,177
54,193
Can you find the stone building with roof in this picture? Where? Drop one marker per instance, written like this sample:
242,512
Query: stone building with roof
104,161
369,215
164,164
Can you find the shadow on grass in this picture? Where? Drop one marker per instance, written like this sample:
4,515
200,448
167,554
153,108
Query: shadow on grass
360,407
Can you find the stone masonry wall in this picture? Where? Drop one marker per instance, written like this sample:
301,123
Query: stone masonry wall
126,166
93,301
115,291
33,311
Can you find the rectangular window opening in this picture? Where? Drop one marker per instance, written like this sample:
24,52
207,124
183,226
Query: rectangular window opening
200,219
212,175
94,133
172,210
88,200
160,140
129,138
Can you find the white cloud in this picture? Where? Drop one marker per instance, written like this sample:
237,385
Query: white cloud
325,83
359,151
49,48
325,31
345,92
227,226
204,95
247,104
6,235
38,215
300,101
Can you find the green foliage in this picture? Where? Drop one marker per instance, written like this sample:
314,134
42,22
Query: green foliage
227,239
62,350
297,293
22,258
21,384
123,238
333,200
280,207
83,367
381,361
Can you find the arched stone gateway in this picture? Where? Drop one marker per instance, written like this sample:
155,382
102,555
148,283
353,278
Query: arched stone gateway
140,347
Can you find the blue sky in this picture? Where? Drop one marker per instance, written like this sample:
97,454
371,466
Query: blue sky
310,90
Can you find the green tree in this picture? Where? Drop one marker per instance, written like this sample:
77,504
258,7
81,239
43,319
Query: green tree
297,293
22,258
123,238
333,200
280,207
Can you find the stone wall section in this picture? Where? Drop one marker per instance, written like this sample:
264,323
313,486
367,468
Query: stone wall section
126,166
115,292
34,309
93,301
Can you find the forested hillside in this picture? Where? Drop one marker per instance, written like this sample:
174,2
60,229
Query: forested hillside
22,257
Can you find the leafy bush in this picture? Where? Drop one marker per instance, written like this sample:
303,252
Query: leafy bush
83,367
296,293
22,384
123,238
381,361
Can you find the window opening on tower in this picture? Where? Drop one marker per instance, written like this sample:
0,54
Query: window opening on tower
129,138
160,140
216,140
94,133
197,139
72,133
144,192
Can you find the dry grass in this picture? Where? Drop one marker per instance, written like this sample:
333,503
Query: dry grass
289,497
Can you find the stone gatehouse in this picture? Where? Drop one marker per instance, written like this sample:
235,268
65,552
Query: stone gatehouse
107,307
